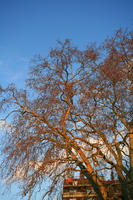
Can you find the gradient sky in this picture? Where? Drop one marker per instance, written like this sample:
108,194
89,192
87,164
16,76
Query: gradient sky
30,27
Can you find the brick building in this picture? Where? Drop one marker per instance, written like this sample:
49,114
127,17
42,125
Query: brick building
80,189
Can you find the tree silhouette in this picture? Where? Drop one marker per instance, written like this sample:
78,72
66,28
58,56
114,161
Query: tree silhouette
75,111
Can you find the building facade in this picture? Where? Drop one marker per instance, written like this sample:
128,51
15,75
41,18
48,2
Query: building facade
80,189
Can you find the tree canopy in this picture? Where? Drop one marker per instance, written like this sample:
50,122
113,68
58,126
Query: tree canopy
75,111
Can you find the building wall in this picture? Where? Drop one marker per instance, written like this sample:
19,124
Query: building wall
80,189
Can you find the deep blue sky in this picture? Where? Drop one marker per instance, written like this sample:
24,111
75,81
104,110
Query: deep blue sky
29,27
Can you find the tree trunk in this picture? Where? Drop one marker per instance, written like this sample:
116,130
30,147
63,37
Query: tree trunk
131,147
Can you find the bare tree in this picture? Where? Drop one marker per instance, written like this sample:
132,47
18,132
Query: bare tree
75,111
110,116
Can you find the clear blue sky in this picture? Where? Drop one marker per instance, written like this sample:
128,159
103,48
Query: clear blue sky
29,27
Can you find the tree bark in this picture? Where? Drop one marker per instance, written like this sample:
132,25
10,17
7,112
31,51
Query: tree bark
131,147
